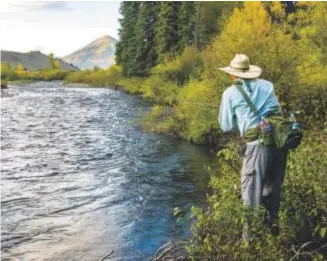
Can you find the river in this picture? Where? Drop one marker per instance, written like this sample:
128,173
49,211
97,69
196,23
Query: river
79,177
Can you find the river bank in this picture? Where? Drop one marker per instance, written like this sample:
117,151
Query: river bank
303,207
20,82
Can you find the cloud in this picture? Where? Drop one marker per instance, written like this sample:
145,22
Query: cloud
40,5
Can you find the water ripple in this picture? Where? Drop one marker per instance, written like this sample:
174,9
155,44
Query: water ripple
78,178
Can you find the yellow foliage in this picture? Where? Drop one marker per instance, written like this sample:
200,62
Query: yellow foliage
20,71
198,109
277,11
56,64
132,85
181,67
288,63
160,90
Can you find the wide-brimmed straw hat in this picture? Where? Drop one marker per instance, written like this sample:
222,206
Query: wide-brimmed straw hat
240,67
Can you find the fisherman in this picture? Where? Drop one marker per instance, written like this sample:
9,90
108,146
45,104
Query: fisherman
263,167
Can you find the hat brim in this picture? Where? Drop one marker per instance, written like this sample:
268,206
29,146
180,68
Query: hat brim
253,72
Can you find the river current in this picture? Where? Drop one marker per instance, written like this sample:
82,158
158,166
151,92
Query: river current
79,177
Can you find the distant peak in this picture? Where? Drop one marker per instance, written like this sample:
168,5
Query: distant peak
105,38
99,53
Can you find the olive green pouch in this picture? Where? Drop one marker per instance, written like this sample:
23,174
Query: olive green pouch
284,136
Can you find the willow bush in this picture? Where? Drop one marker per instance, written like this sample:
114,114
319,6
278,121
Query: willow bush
132,85
97,77
197,108
179,69
159,90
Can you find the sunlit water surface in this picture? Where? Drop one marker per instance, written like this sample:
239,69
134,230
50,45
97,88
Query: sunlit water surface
79,177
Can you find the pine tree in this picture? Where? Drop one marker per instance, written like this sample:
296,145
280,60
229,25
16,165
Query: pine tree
210,18
186,25
152,30
145,56
52,61
166,30
126,47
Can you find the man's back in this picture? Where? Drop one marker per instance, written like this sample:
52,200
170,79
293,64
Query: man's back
235,112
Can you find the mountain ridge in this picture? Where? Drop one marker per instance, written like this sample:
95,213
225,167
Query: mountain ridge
98,53
33,60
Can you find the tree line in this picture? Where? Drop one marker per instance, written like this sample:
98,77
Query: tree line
151,31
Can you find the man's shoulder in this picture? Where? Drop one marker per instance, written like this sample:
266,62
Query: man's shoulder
230,91
263,82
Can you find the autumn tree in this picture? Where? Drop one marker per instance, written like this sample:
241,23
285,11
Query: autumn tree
20,70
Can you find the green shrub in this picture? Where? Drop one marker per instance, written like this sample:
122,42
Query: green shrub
161,119
132,85
197,108
179,69
159,90
10,73
305,189
77,77
97,77
114,74
7,71
303,215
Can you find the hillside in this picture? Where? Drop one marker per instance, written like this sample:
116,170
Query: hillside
33,60
99,53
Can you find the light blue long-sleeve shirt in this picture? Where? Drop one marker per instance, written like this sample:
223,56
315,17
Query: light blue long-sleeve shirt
235,112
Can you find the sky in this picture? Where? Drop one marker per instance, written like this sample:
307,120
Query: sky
60,27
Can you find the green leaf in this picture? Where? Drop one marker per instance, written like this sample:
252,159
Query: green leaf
323,231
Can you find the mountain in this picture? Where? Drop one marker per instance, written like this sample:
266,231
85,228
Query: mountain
33,60
99,53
